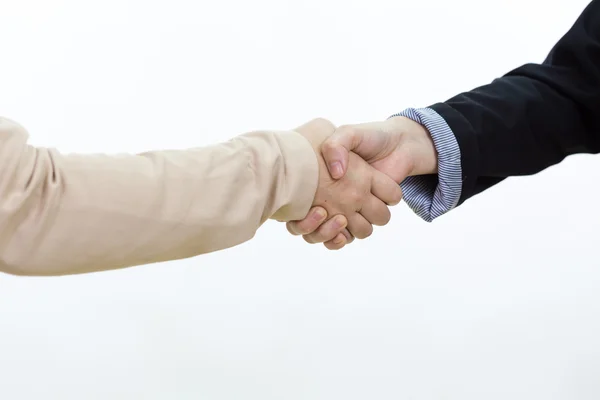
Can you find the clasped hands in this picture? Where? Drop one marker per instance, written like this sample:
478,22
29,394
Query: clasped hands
360,169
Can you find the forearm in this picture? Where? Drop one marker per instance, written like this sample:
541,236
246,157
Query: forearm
435,185
65,214
515,126
533,117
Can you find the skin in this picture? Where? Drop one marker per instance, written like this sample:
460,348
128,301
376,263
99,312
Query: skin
358,200
397,147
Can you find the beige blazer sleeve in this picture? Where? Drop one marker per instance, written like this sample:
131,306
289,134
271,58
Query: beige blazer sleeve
67,214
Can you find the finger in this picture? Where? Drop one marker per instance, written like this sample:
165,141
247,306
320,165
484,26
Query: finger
328,231
337,243
370,140
349,236
375,211
359,226
336,150
316,216
385,189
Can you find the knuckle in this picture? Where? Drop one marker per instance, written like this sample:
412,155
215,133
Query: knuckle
308,239
317,237
323,123
345,130
329,145
333,246
303,231
336,243
320,235
308,226
386,216
355,197
382,219
396,196
349,236
386,219
365,232
324,234
291,227
338,223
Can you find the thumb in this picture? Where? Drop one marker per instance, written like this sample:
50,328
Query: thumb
336,149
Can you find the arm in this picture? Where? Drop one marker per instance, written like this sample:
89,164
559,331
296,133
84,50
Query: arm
431,193
534,116
520,124
65,214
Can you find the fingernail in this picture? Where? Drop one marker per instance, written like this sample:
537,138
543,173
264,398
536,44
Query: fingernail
336,169
319,215
339,222
339,239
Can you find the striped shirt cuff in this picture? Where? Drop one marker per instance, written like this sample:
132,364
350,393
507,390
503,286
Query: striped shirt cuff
431,196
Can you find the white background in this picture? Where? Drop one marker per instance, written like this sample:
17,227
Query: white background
498,299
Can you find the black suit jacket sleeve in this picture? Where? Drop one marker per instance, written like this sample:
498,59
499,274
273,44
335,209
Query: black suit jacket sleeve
534,116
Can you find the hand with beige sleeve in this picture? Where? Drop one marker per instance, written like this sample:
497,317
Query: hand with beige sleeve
67,214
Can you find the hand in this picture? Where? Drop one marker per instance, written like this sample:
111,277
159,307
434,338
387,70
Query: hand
397,147
357,200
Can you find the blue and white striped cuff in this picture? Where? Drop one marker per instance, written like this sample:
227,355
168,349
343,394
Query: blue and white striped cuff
431,196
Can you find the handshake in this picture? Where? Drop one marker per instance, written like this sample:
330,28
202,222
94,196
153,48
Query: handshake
101,212
360,171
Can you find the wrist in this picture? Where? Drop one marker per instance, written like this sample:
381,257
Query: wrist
419,145
300,175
